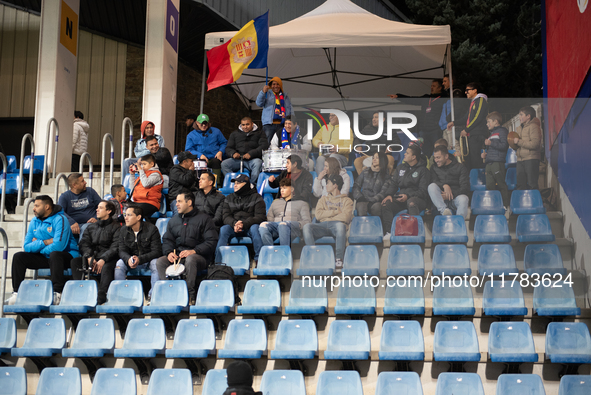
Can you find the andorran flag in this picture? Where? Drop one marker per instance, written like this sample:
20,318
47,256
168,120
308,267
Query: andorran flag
247,49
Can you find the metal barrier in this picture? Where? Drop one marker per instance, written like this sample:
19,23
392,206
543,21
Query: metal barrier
126,121
3,198
81,168
111,163
22,166
57,185
46,161
4,268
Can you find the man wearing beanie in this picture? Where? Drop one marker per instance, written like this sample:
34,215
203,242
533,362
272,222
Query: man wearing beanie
276,108
239,375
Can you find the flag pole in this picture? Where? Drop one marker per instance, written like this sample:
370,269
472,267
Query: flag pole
267,75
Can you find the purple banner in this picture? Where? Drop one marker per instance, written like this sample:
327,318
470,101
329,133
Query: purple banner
172,25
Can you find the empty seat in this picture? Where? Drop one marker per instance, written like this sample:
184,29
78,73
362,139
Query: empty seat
511,158
7,334
45,337
360,260
236,256
228,186
214,297
78,297
37,164
215,382
455,341
503,298
123,297
12,184
511,178
307,297
283,382
459,384
527,202
168,297
263,178
496,259
543,258
161,224
451,260
13,380
274,261
477,180
348,340
449,229
316,260
575,385
114,381
518,384
339,382
260,297
145,338
170,381
405,260
491,229
34,296
418,239
511,342
402,341
245,339
353,300
296,339
11,165
366,230
487,203
93,339
59,381
405,297
193,339
568,342
400,383
534,228
559,299
453,298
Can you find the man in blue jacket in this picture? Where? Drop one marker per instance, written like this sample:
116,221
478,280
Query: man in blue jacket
207,143
276,108
49,244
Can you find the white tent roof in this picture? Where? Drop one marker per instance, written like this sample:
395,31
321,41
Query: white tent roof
341,44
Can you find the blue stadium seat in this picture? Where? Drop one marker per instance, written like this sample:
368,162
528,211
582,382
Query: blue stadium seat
511,178
126,184
161,224
557,300
405,299
240,240
305,298
360,260
511,342
260,297
215,382
193,339
123,297
418,239
94,338
78,297
459,384
348,340
405,260
235,345
37,165
403,383
543,258
45,337
402,341
527,202
264,176
228,185
455,341
519,384
366,230
11,165
268,198
59,381
568,342
214,297
296,339
449,229
339,382
12,183
277,382
34,296
236,257
575,385
317,260
168,297
511,158
13,380
354,300
7,334
450,299
451,259
503,298
487,203
145,338
496,259
167,381
274,261
175,160
534,228
114,381
491,229
477,180
350,174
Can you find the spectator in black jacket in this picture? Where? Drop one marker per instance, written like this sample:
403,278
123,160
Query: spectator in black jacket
119,199
244,210
190,239
182,176
301,179
209,200
99,249
368,185
496,155
365,148
246,145
139,245
450,184
240,379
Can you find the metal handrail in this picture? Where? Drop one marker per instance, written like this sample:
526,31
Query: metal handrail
3,198
4,268
48,134
111,163
57,184
26,205
22,166
126,121
81,168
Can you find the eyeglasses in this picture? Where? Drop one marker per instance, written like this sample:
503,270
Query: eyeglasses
469,89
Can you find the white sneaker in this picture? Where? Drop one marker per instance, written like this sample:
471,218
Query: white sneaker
57,297
11,300
338,264
387,237
446,212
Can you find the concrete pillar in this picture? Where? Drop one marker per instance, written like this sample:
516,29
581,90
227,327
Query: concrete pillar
56,78
160,67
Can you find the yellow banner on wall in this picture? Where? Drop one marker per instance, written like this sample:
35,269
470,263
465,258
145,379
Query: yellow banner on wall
69,28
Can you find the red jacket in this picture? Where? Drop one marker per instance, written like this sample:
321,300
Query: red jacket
151,195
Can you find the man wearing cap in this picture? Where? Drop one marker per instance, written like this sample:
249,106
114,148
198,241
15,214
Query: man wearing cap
242,212
239,378
207,143
276,108
182,176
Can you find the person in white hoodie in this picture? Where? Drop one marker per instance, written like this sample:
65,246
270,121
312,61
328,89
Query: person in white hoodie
79,139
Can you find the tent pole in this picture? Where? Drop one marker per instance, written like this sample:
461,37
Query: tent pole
451,96
203,82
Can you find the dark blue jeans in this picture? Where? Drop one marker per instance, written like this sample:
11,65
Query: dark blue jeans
227,232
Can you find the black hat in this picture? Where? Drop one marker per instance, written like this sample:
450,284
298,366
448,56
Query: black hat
241,178
336,179
183,156
239,374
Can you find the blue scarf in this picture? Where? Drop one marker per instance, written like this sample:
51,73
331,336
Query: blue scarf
294,138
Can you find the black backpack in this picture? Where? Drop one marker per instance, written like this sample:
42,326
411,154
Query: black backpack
221,271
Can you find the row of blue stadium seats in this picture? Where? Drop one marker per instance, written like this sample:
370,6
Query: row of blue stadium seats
478,179
12,165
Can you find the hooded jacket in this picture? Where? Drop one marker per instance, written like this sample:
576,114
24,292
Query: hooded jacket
497,150
148,187
328,208
101,240
474,121
368,186
530,141
140,145
246,205
289,210
412,181
191,231
179,179
80,136
55,226
455,175
147,246
211,204
253,143
301,183
267,102
207,143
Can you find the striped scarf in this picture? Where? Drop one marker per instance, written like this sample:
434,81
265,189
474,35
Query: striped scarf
279,108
